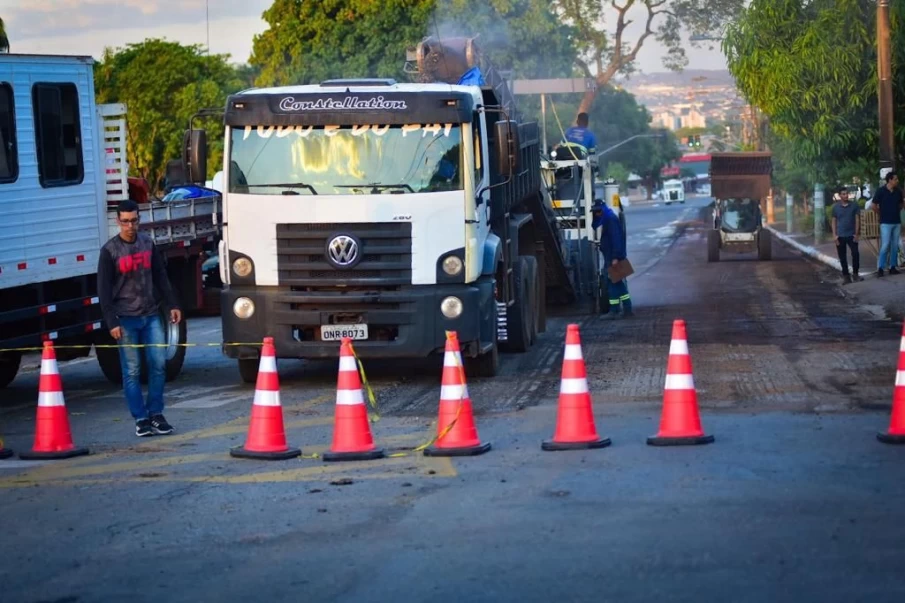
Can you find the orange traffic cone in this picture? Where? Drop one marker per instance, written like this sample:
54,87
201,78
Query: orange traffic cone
457,434
352,439
266,434
680,422
575,429
53,438
896,432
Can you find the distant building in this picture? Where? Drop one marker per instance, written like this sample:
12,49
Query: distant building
680,116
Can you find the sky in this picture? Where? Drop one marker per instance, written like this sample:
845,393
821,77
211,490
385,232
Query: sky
85,27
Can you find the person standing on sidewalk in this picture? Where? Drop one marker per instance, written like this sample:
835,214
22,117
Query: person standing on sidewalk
888,203
846,230
133,285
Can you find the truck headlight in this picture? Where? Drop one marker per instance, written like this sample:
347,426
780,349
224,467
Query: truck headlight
452,265
243,308
451,307
242,267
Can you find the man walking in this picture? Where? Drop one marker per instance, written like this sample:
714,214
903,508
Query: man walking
132,286
888,203
612,246
846,230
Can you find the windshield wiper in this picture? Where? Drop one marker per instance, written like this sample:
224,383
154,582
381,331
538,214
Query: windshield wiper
376,187
285,185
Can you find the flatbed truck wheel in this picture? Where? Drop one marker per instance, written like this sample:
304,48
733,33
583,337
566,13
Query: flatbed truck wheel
764,246
108,358
9,367
713,246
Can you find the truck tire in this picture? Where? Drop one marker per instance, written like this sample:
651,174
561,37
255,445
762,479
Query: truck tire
713,246
534,316
9,367
519,314
487,364
248,369
108,358
764,246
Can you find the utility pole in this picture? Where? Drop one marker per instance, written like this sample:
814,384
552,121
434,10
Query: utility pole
884,93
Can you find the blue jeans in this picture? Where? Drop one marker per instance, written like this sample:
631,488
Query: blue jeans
143,330
889,245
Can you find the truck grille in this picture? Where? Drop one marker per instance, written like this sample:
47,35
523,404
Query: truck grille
386,249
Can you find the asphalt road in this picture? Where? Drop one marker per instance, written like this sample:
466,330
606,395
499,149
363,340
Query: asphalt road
795,501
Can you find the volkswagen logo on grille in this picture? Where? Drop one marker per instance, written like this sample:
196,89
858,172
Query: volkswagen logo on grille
343,251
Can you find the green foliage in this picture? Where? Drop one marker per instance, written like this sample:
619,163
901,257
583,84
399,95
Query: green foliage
308,42
810,67
612,33
618,172
162,85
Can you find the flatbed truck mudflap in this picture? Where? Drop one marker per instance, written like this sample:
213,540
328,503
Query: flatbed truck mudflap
403,323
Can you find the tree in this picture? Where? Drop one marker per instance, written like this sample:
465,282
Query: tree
162,85
308,42
606,48
4,40
810,68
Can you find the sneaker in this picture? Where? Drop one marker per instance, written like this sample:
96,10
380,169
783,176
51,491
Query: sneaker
160,425
857,278
612,315
143,428
893,270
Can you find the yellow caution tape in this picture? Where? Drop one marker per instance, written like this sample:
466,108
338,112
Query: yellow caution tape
131,345
375,416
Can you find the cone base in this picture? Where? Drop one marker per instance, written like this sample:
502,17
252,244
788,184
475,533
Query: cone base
5,453
467,451
33,455
241,452
891,438
365,455
680,441
551,445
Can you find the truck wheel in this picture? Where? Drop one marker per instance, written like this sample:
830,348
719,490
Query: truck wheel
108,358
487,364
713,246
519,313
248,369
9,367
174,364
764,245
534,316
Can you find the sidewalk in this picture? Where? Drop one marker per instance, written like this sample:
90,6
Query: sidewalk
887,292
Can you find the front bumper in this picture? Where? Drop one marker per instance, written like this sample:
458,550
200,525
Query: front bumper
403,323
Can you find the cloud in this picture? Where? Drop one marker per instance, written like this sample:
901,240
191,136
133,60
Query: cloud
37,19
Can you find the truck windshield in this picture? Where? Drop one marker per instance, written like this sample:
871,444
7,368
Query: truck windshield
343,160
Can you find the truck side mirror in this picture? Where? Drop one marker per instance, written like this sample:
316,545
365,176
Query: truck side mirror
194,156
508,147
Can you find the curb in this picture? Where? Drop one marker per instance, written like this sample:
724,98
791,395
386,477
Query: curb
806,249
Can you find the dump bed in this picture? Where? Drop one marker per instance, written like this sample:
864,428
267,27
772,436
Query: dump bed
743,174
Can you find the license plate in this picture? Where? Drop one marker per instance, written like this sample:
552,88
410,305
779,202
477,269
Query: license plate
337,332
